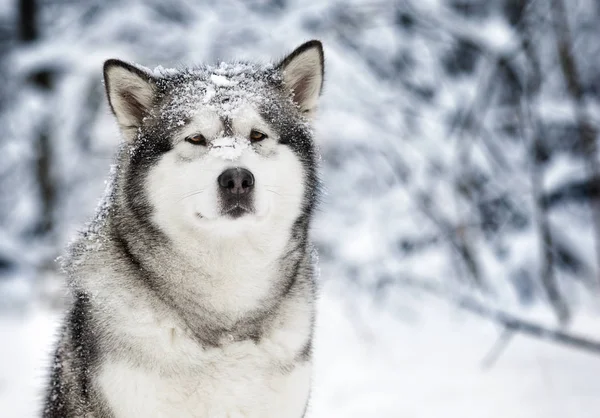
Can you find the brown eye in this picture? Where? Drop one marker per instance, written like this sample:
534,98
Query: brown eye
197,139
256,136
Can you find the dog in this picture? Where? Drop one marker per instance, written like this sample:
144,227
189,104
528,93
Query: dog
192,289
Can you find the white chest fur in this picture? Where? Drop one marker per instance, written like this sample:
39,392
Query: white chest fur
239,387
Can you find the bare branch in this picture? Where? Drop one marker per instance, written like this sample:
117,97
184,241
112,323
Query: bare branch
587,130
507,320
498,348
532,131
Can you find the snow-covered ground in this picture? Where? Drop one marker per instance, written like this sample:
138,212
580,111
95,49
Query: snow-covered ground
372,364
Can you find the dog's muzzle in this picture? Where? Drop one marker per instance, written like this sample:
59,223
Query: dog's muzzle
236,186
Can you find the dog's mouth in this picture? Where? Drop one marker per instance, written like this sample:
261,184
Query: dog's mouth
237,210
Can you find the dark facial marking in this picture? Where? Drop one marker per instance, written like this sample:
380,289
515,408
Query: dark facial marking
227,127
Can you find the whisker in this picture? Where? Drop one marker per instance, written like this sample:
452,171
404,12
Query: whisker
278,193
192,194
273,191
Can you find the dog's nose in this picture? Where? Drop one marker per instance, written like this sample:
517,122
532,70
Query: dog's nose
236,181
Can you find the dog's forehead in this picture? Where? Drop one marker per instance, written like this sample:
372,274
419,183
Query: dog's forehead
224,89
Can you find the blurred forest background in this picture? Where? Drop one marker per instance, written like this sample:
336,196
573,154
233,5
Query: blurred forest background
459,142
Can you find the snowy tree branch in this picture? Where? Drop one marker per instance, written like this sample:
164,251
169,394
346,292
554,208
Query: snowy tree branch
507,320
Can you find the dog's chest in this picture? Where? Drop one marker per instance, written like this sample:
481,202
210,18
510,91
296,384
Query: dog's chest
175,377
234,389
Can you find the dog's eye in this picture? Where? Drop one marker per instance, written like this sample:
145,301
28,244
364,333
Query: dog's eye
197,139
256,136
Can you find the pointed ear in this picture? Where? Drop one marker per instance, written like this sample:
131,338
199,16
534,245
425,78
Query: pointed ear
131,92
303,72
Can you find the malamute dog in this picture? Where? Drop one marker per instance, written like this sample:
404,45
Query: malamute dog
192,290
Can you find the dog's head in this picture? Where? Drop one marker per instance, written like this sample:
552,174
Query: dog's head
221,148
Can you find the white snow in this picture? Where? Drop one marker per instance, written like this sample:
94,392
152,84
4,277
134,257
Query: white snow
209,94
223,89
159,70
25,350
228,148
222,81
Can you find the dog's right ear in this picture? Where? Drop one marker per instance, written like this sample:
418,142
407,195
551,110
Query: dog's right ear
131,92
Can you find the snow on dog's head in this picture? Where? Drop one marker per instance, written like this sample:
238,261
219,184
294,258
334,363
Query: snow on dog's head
218,148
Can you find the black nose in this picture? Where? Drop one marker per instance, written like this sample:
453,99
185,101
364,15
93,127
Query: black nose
236,181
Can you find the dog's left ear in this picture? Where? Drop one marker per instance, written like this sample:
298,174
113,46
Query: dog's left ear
303,71
131,92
